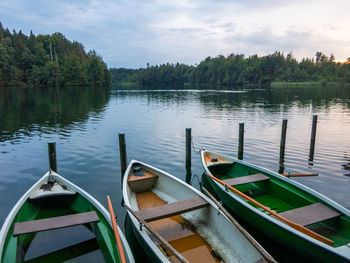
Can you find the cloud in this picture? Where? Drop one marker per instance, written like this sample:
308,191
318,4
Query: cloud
132,33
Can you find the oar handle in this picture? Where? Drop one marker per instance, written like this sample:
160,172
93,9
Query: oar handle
296,226
116,232
155,234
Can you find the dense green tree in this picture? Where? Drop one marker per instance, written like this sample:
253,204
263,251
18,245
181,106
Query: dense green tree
46,60
235,70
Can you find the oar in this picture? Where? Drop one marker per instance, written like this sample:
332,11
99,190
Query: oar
116,232
159,237
296,226
244,232
298,175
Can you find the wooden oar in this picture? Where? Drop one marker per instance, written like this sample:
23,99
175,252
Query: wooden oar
296,226
159,237
244,232
116,233
298,175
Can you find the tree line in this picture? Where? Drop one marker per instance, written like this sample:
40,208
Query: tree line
46,60
235,70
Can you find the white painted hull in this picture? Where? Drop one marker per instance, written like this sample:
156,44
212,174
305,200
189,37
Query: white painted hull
210,223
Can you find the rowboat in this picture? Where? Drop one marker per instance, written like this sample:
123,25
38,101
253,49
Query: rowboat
301,219
51,204
175,222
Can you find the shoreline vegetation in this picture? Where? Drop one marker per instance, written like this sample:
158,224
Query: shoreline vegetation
48,60
236,71
53,60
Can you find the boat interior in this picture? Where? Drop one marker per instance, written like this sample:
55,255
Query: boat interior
289,201
60,218
187,224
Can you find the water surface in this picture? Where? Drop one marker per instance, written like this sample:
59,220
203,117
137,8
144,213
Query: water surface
85,122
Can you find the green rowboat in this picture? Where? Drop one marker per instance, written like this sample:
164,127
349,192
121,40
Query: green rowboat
50,204
291,214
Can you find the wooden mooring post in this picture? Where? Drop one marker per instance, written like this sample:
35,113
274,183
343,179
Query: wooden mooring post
240,141
188,155
122,153
283,144
313,138
52,156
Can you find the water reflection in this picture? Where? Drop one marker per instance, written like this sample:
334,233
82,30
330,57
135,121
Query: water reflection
85,123
271,99
346,166
26,112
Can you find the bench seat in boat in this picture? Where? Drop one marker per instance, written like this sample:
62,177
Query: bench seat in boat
310,214
142,183
54,223
246,179
171,209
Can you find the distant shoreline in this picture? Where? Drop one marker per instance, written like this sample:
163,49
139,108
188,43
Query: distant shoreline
280,84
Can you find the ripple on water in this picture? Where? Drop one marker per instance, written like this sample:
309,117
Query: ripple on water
154,124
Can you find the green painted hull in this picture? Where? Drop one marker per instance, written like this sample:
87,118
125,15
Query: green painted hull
15,247
145,246
285,238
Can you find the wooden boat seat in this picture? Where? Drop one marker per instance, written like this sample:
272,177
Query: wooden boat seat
310,214
246,179
171,209
142,183
54,223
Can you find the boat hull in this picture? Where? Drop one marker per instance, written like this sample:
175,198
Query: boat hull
303,247
205,220
37,204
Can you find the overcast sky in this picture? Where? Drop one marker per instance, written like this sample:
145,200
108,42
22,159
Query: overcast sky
132,33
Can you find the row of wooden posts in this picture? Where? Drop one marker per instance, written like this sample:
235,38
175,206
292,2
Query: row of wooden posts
241,143
123,157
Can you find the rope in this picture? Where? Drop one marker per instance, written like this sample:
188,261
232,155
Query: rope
193,148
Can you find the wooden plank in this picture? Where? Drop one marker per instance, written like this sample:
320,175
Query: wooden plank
142,183
168,210
310,214
133,178
246,179
54,223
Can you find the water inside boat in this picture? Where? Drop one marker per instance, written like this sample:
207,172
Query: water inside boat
71,244
179,233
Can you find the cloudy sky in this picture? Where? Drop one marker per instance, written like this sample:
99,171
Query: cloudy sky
132,33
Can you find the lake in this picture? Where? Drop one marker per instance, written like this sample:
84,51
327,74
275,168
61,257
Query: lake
85,123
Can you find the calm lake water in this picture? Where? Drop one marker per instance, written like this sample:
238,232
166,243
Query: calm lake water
85,122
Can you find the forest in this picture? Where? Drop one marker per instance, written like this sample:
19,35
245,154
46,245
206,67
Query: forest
48,60
235,70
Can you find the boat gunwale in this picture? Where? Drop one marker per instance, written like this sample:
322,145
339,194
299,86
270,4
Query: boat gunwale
11,216
286,227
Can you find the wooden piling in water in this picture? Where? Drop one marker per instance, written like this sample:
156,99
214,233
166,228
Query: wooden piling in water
122,153
188,150
283,141
313,138
240,141
52,156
